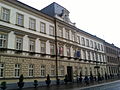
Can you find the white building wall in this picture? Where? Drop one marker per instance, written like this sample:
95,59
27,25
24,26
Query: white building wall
25,43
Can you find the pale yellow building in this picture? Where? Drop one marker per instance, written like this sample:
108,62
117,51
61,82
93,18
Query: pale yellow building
28,45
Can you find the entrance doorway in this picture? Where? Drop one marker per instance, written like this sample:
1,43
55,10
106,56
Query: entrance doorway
69,73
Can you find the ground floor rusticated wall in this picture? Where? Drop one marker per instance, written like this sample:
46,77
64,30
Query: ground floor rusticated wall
76,66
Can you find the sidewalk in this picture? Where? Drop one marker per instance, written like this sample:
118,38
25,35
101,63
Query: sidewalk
72,85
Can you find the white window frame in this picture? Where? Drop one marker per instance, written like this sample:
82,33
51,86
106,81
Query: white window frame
19,43
67,34
42,27
3,41
60,31
52,49
5,14
43,47
20,19
51,30
52,70
31,70
32,46
32,23
68,51
17,70
42,70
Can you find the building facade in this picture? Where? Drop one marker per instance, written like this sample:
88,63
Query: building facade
36,43
112,57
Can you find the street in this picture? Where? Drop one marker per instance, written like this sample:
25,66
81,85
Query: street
115,85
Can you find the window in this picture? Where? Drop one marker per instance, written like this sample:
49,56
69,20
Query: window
84,54
52,70
43,70
68,51
95,45
83,41
1,70
31,70
60,32
32,46
102,47
19,43
17,70
32,23
42,27
52,49
60,50
93,57
78,39
73,36
91,43
3,40
98,46
43,47
67,34
51,31
74,52
62,70
88,55
87,42
20,19
5,14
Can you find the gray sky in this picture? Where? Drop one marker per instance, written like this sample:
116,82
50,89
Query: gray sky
97,17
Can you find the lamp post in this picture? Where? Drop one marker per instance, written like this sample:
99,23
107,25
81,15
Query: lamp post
56,56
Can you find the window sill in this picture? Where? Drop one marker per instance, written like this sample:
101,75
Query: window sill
5,21
19,25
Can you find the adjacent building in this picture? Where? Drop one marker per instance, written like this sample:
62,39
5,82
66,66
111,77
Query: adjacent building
112,57
36,43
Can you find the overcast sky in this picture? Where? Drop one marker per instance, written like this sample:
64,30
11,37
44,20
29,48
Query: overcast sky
97,17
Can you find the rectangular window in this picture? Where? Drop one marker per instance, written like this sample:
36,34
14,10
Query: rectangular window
95,45
1,70
43,47
19,43
31,67
89,58
62,70
52,49
5,14
32,46
42,27
67,34
83,41
98,46
91,44
51,30
74,52
3,41
87,42
43,70
73,36
68,51
20,19
84,54
32,23
17,70
78,39
60,32
101,47
52,70
60,50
